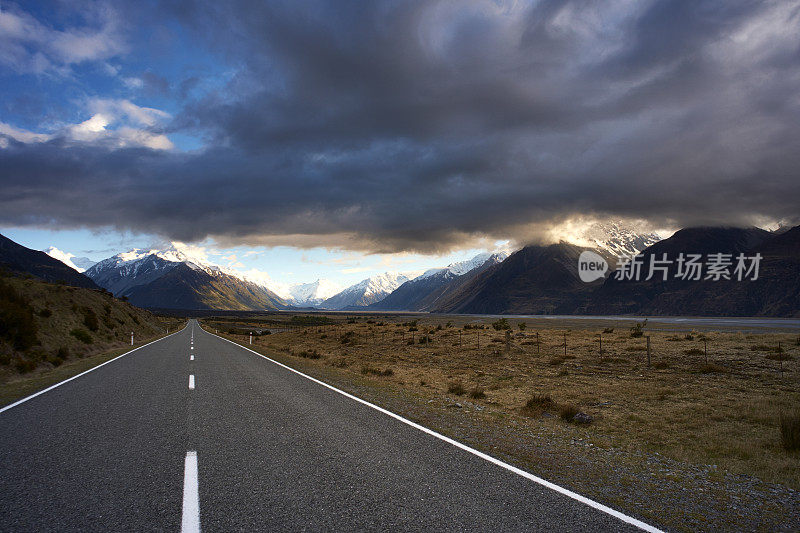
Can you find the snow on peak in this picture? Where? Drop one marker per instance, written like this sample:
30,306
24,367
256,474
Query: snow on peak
617,238
64,257
381,283
462,267
313,293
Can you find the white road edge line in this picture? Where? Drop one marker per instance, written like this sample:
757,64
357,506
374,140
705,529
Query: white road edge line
51,387
566,492
190,521
191,381
191,358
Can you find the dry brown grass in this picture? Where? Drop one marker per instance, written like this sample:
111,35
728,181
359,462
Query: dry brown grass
724,411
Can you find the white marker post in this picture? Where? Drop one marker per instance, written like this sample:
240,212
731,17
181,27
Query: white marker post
251,337
131,338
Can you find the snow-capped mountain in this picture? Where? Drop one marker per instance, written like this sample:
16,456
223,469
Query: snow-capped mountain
366,292
422,293
462,267
312,294
126,270
80,264
617,239
176,278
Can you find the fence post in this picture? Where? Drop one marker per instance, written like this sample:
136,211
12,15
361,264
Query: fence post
648,350
537,343
600,338
705,349
565,344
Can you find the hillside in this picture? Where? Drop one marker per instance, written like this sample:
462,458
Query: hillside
43,324
184,287
426,291
776,292
18,259
533,280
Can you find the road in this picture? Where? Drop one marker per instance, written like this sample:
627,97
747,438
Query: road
253,446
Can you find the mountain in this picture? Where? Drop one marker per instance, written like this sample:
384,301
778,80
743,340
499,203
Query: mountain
617,239
312,294
776,292
365,292
172,279
82,264
534,280
21,260
424,292
185,286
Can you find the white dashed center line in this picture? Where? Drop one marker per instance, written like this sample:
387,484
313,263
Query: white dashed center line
191,499
191,381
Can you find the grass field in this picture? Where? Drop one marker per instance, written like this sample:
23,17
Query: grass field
714,398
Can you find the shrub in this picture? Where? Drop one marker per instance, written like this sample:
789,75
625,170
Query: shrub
456,387
477,393
45,313
567,412
366,369
637,330
23,365
63,352
693,351
308,354
501,324
55,360
90,320
711,368
661,365
608,330
17,323
790,431
522,326
82,335
780,356
540,402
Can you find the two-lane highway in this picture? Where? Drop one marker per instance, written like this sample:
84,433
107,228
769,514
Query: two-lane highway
193,431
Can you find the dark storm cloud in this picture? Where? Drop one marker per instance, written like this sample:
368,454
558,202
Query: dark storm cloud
419,125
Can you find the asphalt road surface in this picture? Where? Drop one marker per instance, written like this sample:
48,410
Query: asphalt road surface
253,446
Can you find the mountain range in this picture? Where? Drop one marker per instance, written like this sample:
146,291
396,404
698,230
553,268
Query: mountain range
171,279
424,292
537,279
366,292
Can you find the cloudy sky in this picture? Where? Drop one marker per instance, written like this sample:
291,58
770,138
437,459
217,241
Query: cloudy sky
348,137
